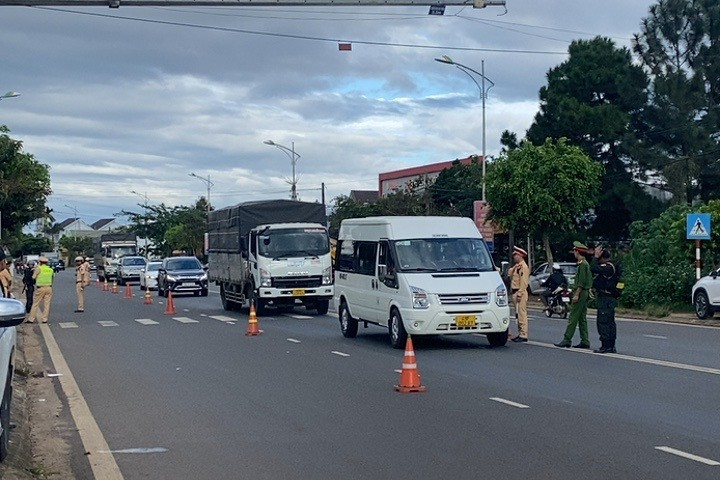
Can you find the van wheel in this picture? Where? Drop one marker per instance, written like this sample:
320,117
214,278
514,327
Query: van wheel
323,306
348,324
702,305
5,419
497,339
398,335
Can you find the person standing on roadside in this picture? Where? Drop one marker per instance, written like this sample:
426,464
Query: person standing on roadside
578,309
43,276
6,279
519,277
605,282
28,285
82,280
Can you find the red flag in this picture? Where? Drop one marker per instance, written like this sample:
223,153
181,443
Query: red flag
345,47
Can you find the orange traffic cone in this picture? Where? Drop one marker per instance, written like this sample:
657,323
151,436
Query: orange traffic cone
170,305
148,297
409,376
128,291
114,287
253,328
105,286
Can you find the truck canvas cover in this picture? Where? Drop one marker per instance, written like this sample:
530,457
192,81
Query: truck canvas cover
227,226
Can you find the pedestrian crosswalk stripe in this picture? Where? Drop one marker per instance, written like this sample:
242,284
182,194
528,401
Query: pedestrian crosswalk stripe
185,320
223,318
108,323
147,321
68,325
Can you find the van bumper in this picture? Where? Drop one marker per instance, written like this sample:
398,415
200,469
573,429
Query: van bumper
434,322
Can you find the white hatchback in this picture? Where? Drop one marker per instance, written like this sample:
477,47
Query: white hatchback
12,313
148,277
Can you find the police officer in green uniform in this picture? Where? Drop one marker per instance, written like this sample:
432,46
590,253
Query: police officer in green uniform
604,285
43,276
578,310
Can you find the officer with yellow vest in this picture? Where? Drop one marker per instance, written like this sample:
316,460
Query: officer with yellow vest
43,276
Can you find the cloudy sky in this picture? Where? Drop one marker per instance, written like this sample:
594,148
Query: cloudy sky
137,98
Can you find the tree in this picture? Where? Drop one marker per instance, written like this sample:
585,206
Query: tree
591,99
457,188
679,47
24,244
523,200
24,185
77,246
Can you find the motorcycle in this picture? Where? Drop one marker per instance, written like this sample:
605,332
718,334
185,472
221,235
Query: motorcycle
559,303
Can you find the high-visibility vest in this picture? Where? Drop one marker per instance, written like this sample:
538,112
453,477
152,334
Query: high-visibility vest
45,277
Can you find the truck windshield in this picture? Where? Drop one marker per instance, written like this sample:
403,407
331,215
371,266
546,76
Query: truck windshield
117,252
294,242
443,255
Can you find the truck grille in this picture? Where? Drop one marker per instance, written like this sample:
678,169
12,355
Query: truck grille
297,282
465,299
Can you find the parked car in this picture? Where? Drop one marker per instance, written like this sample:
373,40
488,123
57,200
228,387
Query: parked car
181,275
56,264
148,277
706,295
543,271
12,313
129,269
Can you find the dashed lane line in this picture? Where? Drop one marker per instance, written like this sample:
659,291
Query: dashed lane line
185,320
223,318
687,455
68,325
509,402
341,354
293,340
146,321
298,317
620,356
108,323
659,337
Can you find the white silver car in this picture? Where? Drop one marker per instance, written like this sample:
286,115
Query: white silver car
706,295
148,277
12,312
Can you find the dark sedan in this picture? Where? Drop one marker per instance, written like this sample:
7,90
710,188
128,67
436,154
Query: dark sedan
182,275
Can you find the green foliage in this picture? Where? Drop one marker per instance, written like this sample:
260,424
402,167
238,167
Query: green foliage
24,244
456,188
77,246
24,186
540,189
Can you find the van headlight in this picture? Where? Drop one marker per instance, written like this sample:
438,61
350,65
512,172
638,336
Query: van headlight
501,299
420,298
327,276
265,278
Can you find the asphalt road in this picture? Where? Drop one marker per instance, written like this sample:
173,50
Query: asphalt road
190,396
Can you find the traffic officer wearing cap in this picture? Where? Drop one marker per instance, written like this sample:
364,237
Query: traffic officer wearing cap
43,276
578,309
520,275
82,280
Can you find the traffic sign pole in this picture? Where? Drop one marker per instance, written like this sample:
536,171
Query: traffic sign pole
697,260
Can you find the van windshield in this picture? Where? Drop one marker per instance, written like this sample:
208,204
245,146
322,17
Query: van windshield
294,242
443,255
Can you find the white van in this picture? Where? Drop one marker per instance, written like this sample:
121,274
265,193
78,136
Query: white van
12,313
418,275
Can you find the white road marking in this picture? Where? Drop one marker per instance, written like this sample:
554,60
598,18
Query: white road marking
335,352
298,317
651,361
508,402
203,314
661,337
689,456
186,310
138,450
397,370
103,466
222,318
68,325
185,320
293,340
147,321
108,323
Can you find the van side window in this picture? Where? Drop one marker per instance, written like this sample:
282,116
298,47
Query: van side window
345,252
386,259
365,254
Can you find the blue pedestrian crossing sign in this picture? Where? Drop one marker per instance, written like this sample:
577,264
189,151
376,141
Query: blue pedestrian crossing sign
698,226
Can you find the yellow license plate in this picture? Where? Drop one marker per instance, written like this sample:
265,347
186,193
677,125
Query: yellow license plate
298,292
465,320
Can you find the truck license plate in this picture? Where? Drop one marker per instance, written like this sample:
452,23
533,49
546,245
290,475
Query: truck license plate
298,292
465,320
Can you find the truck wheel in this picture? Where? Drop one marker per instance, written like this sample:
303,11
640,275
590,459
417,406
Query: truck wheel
398,335
323,306
497,339
348,324
226,304
5,419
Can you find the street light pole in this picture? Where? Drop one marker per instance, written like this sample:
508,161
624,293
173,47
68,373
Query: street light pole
208,183
75,218
144,195
483,95
290,152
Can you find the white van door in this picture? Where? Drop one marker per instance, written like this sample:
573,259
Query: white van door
386,283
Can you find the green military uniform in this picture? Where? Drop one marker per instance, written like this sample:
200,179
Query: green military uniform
578,310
